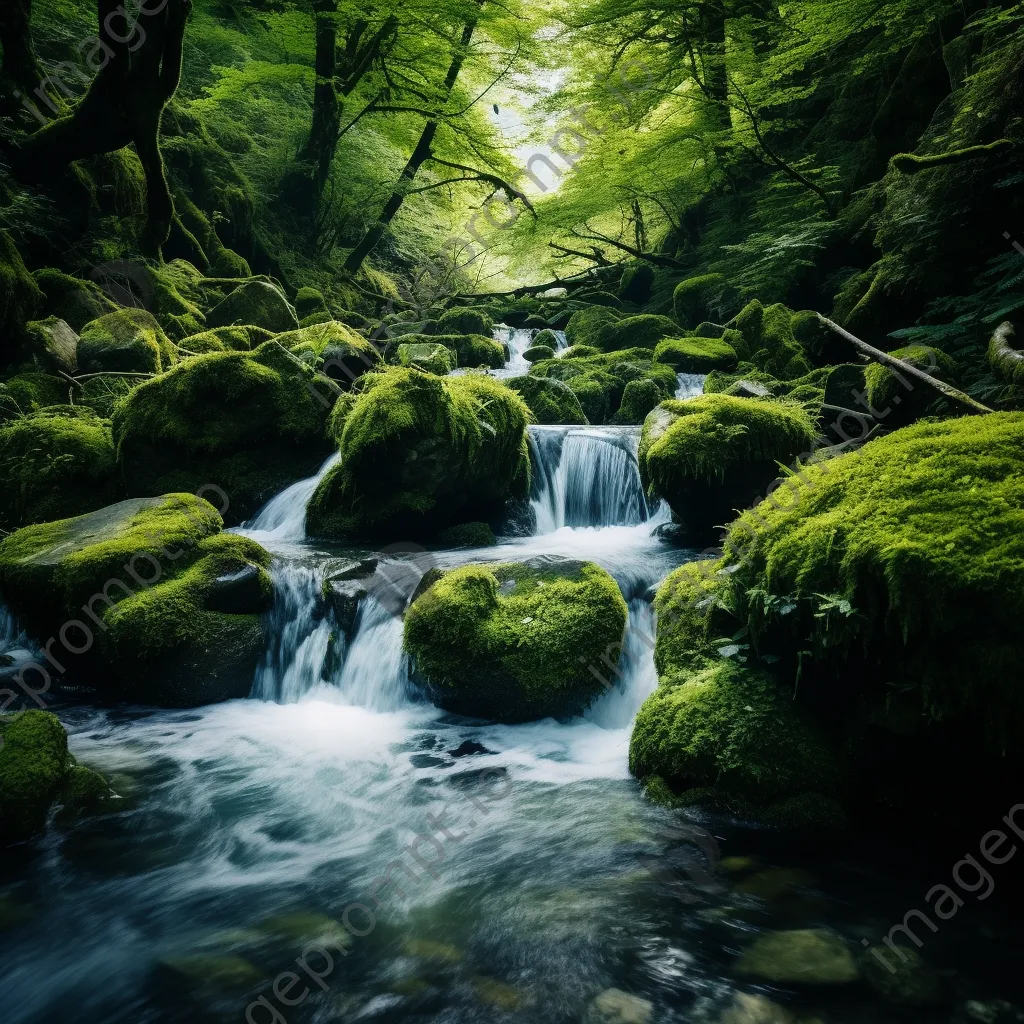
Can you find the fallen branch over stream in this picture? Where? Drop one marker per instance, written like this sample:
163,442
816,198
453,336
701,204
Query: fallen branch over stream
900,366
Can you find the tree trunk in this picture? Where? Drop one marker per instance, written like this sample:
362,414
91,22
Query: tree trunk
323,136
20,72
716,75
419,156
123,105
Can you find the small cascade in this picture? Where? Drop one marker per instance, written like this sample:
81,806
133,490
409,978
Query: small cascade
635,678
518,341
299,637
563,342
15,647
690,385
586,477
376,670
283,518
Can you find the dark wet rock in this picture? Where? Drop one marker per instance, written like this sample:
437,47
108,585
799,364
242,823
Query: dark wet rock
242,592
468,748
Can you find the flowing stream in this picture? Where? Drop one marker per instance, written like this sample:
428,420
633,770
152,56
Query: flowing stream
250,829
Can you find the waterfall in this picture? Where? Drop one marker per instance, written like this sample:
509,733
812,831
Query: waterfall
307,649
299,635
635,678
15,647
283,518
690,385
518,341
586,477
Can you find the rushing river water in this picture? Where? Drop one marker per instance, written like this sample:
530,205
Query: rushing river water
250,829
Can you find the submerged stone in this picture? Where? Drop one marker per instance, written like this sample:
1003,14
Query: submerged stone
811,956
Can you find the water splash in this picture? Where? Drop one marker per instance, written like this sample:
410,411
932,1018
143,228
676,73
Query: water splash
283,518
690,385
518,341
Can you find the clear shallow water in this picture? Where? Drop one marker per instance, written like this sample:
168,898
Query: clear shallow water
249,829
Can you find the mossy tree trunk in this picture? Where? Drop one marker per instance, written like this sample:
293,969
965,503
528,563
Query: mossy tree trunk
20,72
123,105
419,157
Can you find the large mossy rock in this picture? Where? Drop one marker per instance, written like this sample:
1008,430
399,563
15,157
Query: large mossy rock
28,393
429,358
21,296
696,355
224,339
55,464
587,326
143,579
899,568
420,453
51,345
249,423
551,401
695,299
128,341
465,320
713,455
643,331
899,399
37,770
516,641
334,349
769,336
72,299
636,283
255,302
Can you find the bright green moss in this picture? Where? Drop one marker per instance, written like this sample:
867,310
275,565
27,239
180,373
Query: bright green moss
420,452
713,454
693,299
34,763
429,358
899,399
580,352
175,297
694,618
251,423
695,355
333,348
225,339
1006,360
546,337
516,642
728,727
551,401
53,465
768,334
638,399
465,320
128,341
907,557
536,353
475,350
644,331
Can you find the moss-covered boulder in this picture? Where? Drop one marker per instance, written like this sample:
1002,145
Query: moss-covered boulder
429,358
898,399
770,339
143,582
712,455
639,398
804,957
586,326
51,345
899,569
475,350
467,535
536,353
465,320
695,355
728,727
224,339
643,331
548,338
250,423
420,452
551,401
695,299
128,341
309,301
516,641
36,770
636,283
334,349
73,300
256,302
28,393
55,464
